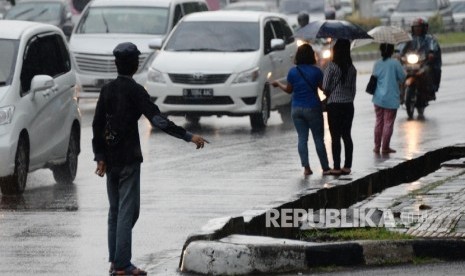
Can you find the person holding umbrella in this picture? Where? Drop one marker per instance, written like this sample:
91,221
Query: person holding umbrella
386,98
339,87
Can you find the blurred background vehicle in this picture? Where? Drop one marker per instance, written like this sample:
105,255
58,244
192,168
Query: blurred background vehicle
252,6
106,23
458,13
77,6
383,10
55,12
407,10
347,7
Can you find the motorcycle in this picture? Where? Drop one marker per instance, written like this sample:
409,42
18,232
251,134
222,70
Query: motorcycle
415,88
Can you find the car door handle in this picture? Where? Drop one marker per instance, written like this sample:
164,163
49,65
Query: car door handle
55,89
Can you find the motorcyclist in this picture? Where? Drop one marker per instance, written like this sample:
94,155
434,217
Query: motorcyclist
423,42
302,19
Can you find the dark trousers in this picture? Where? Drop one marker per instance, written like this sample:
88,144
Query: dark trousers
340,117
123,188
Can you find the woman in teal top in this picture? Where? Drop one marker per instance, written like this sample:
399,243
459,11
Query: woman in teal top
386,98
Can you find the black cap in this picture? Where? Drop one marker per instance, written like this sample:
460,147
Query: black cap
126,50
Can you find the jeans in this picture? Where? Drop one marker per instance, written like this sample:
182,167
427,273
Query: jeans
306,119
123,189
340,117
384,127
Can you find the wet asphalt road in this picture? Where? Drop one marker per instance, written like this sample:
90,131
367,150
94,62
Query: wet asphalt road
61,230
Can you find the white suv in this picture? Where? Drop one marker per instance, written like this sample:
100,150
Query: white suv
220,63
39,117
106,23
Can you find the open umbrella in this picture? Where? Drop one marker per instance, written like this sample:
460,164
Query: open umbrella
337,29
384,34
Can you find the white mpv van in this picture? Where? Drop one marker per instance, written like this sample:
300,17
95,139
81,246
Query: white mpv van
39,117
221,63
106,23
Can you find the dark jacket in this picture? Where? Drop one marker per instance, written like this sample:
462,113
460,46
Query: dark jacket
122,102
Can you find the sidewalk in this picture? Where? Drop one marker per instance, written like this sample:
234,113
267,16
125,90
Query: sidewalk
430,208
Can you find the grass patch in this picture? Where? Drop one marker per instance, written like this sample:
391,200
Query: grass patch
348,234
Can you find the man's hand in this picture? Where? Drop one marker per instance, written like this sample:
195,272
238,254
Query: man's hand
199,141
101,168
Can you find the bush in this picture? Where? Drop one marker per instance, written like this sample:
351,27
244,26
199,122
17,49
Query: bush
435,24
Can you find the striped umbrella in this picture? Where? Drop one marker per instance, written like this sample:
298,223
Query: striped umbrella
384,34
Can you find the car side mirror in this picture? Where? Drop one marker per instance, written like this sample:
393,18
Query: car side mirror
277,44
41,83
156,43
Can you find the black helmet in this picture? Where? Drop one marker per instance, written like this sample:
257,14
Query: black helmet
303,18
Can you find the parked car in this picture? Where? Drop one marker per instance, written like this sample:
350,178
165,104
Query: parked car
106,23
407,10
458,13
39,117
252,6
220,63
55,12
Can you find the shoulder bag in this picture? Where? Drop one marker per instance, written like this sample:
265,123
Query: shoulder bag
371,86
322,102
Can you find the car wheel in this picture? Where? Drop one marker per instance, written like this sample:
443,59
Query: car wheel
259,120
65,173
16,183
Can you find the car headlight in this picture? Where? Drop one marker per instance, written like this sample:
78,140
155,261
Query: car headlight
155,76
6,114
247,76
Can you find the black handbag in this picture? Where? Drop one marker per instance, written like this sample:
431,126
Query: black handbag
371,86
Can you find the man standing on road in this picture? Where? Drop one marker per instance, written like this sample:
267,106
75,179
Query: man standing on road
117,150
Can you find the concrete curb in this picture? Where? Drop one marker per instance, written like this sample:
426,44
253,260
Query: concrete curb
211,251
226,258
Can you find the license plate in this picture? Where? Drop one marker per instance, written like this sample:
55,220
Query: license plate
198,93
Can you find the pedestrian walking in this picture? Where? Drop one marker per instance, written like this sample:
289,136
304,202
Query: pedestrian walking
117,151
303,81
386,99
339,87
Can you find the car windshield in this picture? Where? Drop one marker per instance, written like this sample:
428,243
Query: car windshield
417,5
297,6
130,20
215,37
458,6
7,60
35,11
